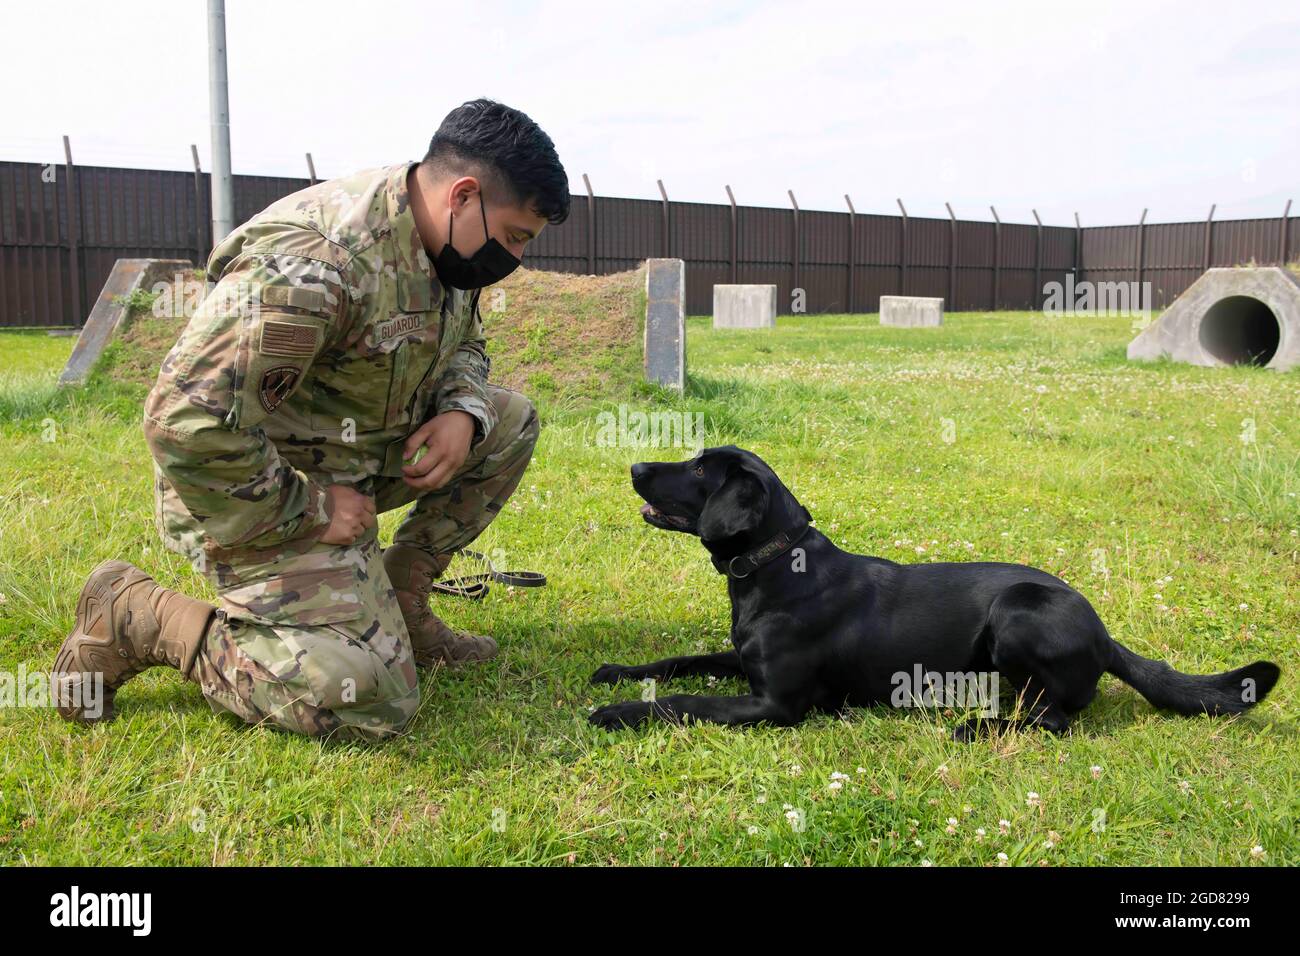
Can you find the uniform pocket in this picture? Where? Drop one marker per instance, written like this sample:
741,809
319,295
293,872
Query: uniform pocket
322,622
304,598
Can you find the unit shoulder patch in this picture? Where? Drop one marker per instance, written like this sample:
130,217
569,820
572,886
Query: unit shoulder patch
276,385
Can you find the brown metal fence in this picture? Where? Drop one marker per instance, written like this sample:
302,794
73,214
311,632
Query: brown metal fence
63,226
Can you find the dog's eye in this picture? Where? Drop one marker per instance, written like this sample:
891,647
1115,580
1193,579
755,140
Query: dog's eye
699,471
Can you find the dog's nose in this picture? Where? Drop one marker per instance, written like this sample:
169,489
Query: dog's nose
639,469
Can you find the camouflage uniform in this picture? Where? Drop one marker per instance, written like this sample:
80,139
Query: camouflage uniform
325,342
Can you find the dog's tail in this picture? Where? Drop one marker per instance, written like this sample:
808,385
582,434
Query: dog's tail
1228,693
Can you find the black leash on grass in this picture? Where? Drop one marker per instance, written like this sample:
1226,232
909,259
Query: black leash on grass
475,586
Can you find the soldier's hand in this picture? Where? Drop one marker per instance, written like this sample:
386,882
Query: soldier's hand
447,438
351,513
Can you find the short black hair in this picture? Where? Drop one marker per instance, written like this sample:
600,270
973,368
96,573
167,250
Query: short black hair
507,149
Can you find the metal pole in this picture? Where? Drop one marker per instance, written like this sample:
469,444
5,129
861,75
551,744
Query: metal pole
591,226
667,241
1078,247
1038,261
852,256
902,250
1209,235
200,249
311,170
223,199
1141,246
734,233
952,259
997,259
1282,229
74,232
794,203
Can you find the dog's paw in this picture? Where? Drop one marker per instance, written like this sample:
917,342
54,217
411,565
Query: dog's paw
628,713
609,674
966,733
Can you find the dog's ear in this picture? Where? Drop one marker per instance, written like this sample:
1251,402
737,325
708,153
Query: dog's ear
738,505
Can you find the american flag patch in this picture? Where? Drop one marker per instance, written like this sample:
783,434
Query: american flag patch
285,338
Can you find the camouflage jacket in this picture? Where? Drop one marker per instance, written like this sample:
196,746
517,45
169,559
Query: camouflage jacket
326,340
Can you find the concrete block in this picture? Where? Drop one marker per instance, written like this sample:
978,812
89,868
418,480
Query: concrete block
910,311
744,306
665,322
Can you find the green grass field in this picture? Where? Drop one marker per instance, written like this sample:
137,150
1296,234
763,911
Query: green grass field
1167,494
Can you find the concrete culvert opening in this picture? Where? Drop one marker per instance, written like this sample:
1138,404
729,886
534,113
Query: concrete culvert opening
1240,330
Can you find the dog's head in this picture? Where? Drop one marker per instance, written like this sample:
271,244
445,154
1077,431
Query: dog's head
727,496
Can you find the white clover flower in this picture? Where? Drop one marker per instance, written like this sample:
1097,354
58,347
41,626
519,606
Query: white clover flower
1032,799
1002,859
979,834
1004,827
926,863
752,830
1258,853
1096,772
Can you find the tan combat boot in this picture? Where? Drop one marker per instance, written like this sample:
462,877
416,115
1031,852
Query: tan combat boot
126,623
412,572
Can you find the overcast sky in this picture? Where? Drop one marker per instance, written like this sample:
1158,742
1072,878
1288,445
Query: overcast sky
1098,107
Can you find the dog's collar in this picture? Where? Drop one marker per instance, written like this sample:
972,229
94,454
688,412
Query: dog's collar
743,565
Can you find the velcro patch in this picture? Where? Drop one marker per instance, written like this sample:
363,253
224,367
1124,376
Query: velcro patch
397,325
276,385
286,338
312,300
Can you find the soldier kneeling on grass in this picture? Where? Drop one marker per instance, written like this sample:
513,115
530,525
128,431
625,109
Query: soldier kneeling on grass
343,335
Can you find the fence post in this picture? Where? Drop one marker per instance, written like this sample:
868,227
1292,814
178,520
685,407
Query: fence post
852,251
1281,233
311,170
200,257
667,254
1078,247
591,226
997,259
1140,252
1209,235
74,232
952,259
1038,262
735,235
795,253
902,258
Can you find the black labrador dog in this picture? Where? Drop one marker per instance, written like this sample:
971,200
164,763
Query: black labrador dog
817,628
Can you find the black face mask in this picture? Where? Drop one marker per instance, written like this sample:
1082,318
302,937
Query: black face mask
491,263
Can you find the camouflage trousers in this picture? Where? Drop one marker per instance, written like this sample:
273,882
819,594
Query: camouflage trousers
312,641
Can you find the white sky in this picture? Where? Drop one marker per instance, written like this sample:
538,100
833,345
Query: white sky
1098,107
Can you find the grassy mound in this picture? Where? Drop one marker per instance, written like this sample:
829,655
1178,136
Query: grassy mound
550,334
562,335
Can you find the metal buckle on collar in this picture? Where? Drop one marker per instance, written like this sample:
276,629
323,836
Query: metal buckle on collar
731,569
